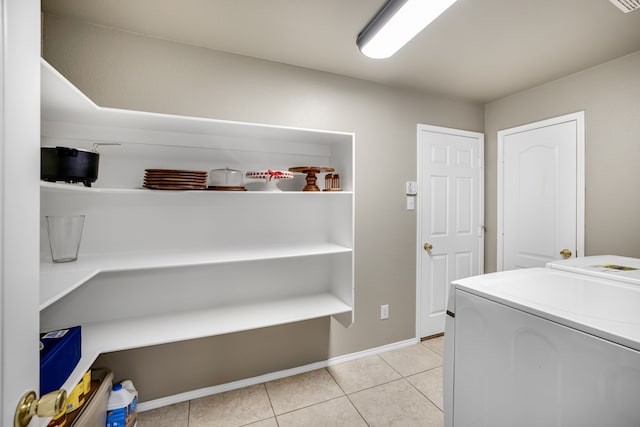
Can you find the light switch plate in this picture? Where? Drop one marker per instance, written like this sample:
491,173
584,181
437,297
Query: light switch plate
411,203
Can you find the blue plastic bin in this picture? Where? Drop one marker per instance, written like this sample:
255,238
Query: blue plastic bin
59,354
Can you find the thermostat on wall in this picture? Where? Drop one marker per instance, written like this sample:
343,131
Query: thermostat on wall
411,188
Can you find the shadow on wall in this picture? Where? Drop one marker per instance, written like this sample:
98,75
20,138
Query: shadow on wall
164,370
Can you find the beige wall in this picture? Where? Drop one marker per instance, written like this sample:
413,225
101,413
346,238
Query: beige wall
129,71
609,94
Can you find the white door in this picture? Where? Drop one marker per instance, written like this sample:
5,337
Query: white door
450,218
19,202
541,192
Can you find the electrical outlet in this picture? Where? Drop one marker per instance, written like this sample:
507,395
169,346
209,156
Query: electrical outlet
384,311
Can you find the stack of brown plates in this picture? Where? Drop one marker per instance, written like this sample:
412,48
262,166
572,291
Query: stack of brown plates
172,179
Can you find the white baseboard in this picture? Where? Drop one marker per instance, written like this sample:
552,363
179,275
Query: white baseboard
208,391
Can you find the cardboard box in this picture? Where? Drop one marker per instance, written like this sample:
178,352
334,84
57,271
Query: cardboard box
94,412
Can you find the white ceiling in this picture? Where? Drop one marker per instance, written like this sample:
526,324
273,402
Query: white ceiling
480,50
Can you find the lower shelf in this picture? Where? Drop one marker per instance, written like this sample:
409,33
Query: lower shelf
104,337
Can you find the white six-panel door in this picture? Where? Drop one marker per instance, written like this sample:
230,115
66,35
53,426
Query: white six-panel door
450,217
541,192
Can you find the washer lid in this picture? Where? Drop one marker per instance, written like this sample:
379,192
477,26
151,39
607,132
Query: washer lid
623,269
604,308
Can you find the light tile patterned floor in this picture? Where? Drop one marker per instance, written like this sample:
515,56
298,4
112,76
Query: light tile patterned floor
398,388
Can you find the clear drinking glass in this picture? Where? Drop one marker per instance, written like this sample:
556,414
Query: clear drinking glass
65,233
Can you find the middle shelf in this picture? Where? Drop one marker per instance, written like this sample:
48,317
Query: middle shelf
133,286
58,280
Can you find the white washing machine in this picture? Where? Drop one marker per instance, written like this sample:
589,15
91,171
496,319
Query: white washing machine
544,347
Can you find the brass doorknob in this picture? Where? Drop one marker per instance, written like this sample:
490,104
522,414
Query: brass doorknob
566,253
428,246
49,405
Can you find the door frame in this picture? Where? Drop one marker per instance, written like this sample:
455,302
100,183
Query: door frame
19,202
419,224
578,117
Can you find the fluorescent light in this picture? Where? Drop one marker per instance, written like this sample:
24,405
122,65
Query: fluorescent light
396,23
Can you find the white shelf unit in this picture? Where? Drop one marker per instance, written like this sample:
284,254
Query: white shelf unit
163,266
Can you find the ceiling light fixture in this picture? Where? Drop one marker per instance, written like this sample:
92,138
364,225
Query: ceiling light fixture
397,22
627,5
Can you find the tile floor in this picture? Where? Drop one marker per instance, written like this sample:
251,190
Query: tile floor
398,388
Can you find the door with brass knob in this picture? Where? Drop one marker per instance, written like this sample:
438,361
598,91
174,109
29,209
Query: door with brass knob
540,192
49,405
450,218
565,253
19,209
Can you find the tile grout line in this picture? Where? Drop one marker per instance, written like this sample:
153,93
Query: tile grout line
425,343
309,406
389,365
425,396
348,395
358,411
336,381
416,373
275,417
373,386
312,404
402,377
348,398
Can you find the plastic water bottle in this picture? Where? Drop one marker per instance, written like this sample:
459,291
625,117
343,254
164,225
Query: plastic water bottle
133,408
118,406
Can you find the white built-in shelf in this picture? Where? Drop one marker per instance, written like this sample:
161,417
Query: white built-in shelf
230,261
61,101
131,333
58,280
57,187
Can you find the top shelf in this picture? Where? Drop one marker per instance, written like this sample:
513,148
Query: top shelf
61,101
165,141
